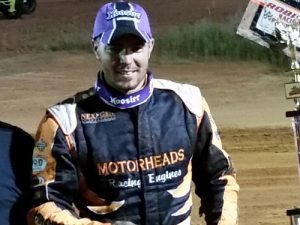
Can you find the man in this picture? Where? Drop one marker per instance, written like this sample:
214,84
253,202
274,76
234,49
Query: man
15,165
127,150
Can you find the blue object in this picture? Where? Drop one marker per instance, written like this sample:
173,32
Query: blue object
16,148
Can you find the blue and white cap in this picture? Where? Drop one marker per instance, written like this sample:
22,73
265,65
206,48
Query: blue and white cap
119,18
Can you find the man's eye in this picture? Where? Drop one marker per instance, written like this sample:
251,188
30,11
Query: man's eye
114,50
137,48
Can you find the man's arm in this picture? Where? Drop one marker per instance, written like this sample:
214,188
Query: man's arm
214,175
55,179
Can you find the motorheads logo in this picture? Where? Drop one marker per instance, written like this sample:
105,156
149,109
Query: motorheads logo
97,117
142,164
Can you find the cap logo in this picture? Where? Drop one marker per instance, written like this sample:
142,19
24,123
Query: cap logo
129,13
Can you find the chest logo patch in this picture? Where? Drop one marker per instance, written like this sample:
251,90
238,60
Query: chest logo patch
100,117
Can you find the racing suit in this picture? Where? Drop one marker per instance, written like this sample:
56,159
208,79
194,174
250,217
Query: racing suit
133,163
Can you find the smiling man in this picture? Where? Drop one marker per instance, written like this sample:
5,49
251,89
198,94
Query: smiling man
127,150
125,62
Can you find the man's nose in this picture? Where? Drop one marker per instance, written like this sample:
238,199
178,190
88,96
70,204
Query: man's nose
126,56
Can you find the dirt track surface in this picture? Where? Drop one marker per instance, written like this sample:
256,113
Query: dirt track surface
18,34
246,99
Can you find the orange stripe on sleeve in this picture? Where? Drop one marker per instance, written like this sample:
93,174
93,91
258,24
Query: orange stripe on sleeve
44,164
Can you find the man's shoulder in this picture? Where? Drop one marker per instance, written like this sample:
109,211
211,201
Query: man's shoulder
17,136
189,94
64,112
172,85
79,96
70,104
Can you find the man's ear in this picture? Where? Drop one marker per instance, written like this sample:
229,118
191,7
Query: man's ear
151,45
95,46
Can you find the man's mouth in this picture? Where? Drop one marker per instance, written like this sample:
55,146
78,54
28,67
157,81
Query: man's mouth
126,72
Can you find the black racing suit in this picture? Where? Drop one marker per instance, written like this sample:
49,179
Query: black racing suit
135,164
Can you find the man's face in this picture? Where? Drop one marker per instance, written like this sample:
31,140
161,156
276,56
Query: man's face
125,62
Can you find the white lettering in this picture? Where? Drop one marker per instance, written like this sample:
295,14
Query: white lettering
123,101
129,13
162,178
129,183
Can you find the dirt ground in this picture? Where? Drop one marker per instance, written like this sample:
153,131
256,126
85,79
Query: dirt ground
246,99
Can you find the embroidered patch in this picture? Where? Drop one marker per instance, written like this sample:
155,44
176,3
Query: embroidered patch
97,117
36,180
38,164
41,145
119,13
41,180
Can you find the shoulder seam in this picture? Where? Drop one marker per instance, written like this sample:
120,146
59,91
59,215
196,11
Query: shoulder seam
65,111
189,94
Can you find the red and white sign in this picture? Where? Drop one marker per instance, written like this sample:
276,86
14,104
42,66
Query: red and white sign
260,17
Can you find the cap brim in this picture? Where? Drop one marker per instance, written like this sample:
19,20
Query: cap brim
109,37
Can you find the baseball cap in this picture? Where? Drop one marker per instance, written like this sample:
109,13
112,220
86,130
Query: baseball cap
119,18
